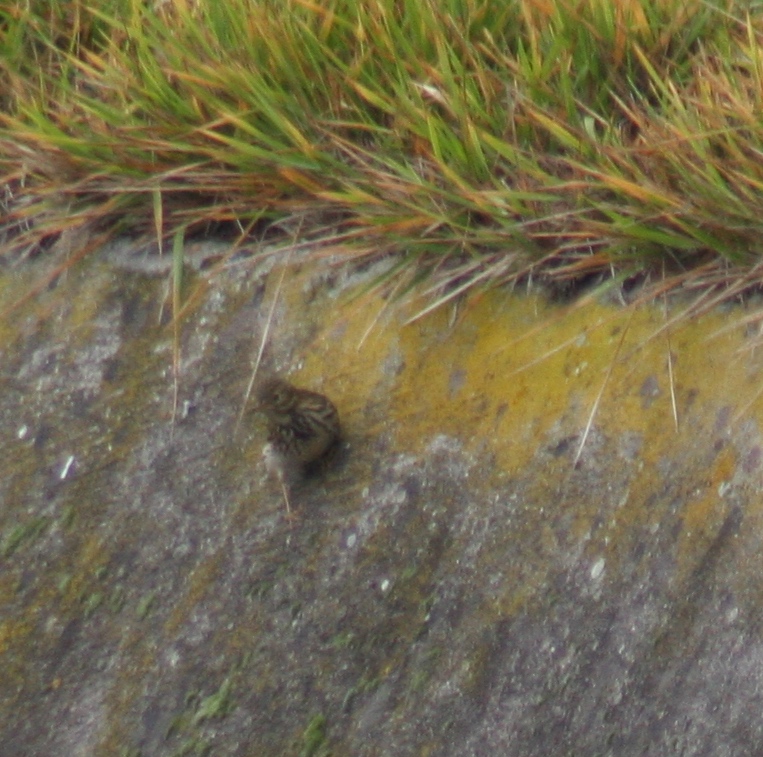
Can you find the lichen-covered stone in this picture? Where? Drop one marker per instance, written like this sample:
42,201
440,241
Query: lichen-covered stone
541,536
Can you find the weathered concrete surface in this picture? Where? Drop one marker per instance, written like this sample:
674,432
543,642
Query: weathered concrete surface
454,584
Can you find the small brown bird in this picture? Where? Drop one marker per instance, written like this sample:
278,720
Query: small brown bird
302,427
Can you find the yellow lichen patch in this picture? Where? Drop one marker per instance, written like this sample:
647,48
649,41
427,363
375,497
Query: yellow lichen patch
703,512
512,378
10,631
199,584
5,633
347,358
14,635
509,378
91,556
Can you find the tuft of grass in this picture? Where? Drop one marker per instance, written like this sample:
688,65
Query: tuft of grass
145,605
482,143
22,533
187,726
216,705
314,738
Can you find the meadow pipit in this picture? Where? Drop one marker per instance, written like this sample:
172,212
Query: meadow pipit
302,427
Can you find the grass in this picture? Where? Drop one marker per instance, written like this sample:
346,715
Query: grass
314,738
22,533
479,142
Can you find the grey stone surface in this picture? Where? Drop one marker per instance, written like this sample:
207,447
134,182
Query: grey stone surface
155,601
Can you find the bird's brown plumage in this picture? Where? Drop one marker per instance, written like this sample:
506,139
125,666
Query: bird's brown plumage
302,427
